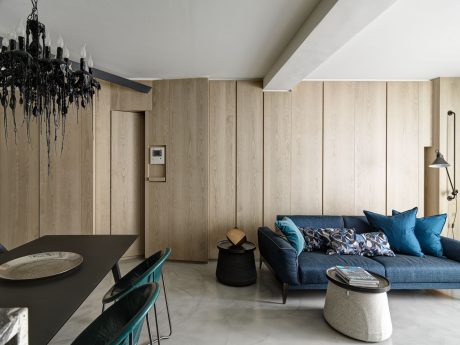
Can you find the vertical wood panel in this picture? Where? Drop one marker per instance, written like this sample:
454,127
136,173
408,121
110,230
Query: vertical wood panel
339,148
277,155
189,164
65,203
307,148
370,147
450,101
102,160
425,108
222,161
249,157
19,184
426,113
444,105
354,147
127,177
402,146
87,171
432,185
158,206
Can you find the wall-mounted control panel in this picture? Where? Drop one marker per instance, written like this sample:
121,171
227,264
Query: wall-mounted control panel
156,163
157,155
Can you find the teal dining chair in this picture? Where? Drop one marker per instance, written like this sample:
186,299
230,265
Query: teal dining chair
148,271
121,323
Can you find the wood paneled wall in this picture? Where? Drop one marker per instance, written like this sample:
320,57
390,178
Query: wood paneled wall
222,160
186,194
446,96
234,156
19,184
158,211
403,146
249,157
66,190
293,138
327,148
277,155
306,149
127,177
74,197
354,147
102,125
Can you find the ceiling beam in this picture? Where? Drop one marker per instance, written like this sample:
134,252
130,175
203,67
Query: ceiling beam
330,26
112,78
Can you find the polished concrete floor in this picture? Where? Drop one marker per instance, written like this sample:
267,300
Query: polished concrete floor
206,312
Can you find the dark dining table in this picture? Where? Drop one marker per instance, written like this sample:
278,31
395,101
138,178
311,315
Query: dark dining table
52,301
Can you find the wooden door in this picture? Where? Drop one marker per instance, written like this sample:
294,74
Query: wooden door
127,177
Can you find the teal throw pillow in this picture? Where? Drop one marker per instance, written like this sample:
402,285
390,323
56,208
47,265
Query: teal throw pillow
399,229
428,232
292,233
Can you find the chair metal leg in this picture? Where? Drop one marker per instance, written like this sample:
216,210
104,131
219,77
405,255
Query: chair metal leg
260,263
103,307
156,323
148,328
164,337
167,308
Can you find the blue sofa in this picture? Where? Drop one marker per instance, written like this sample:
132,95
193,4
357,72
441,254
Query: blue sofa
307,271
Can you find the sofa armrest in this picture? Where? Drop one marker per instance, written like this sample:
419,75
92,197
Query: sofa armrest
280,255
451,248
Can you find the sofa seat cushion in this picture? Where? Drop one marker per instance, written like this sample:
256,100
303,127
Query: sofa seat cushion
313,265
413,269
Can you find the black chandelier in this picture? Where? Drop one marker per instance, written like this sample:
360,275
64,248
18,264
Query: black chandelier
44,85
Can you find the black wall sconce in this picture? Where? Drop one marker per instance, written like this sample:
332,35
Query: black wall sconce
440,163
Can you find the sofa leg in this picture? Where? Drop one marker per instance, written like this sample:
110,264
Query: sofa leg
260,263
284,292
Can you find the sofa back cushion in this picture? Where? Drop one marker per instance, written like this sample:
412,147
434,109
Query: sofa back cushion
359,223
311,222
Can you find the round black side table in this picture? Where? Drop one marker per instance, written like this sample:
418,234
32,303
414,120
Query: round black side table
236,265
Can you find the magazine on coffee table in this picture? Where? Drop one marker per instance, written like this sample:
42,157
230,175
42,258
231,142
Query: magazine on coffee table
356,276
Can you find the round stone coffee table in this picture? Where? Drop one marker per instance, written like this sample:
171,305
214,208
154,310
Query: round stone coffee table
358,312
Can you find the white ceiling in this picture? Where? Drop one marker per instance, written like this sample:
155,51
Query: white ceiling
239,39
170,38
413,39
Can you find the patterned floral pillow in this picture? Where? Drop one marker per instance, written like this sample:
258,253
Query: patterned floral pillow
319,238
374,244
344,243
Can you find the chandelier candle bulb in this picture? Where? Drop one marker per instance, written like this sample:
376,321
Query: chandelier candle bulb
48,47
83,52
90,64
21,30
21,33
60,42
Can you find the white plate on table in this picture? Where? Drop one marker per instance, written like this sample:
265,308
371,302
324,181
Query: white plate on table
40,265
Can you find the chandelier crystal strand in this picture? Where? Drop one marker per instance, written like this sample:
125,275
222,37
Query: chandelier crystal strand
46,85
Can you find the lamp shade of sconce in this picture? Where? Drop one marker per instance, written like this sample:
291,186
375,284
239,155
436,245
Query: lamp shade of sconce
236,236
439,162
